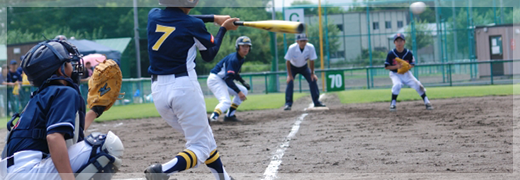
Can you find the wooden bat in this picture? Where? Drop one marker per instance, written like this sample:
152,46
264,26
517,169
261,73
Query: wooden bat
275,26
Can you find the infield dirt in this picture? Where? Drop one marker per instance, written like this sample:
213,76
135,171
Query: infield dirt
462,138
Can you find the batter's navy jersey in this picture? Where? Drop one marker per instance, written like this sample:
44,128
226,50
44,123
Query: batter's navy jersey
53,110
173,37
229,66
406,55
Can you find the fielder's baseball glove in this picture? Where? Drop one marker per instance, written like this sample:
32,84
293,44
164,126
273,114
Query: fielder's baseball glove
104,86
404,66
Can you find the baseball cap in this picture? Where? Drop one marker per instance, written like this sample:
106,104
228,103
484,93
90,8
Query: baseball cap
13,62
399,35
301,37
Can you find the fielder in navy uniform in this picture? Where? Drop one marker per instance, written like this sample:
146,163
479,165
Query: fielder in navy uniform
398,80
296,61
173,40
47,141
220,81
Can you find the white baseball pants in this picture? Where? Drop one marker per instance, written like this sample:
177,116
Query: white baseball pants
180,102
398,80
30,165
221,91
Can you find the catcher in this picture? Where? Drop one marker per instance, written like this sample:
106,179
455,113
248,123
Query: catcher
47,142
399,61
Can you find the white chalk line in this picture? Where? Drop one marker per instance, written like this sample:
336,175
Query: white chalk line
276,160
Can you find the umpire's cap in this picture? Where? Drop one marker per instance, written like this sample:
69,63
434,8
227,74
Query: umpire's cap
179,3
399,35
42,61
301,37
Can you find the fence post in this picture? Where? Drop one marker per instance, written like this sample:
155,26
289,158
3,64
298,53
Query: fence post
266,86
368,78
299,82
449,69
251,83
491,68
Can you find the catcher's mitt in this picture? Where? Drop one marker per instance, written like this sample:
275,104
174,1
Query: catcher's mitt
104,86
404,66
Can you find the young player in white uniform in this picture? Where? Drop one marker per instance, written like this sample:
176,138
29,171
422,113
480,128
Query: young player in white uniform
220,81
296,61
398,80
173,40
47,142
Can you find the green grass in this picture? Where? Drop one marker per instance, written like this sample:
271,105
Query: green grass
137,111
276,100
382,95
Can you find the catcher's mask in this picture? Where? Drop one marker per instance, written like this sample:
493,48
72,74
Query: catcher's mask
179,3
42,61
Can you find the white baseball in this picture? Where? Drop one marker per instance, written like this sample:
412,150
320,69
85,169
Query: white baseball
417,7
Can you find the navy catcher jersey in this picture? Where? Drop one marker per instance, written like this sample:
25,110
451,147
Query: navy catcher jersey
405,55
173,37
53,110
229,66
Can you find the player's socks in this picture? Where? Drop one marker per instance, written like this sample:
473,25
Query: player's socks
394,100
216,113
232,109
425,98
216,166
184,160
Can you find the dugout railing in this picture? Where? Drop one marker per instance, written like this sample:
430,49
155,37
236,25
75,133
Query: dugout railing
465,73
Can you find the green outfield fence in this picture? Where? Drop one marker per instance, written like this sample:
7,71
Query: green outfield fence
441,74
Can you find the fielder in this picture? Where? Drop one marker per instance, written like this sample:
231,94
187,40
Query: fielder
173,38
220,81
296,61
47,141
404,77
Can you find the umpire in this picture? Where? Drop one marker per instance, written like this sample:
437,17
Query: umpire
296,61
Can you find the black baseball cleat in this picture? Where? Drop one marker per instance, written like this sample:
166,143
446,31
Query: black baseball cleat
392,108
287,108
154,172
429,106
319,105
231,119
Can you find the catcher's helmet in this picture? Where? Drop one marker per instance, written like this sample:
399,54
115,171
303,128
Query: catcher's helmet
42,61
179,3
243,40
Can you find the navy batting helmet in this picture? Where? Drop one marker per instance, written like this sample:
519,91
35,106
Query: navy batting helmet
42,61
179,3
243,40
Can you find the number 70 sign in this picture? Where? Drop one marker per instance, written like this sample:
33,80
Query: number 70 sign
335,81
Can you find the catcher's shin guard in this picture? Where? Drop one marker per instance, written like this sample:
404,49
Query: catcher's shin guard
104,158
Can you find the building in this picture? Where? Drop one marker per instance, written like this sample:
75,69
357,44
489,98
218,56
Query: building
497,42
354,28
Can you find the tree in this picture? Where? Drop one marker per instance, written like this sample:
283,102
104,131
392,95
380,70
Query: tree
423,35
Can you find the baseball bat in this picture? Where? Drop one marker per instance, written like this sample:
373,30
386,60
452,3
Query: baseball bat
274,26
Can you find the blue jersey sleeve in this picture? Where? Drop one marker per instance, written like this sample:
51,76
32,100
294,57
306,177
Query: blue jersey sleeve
212,44
232,70
62,112
205,18
389,59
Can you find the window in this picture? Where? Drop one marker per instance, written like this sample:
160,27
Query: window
375,25
388,24
338,54
399,24
340,27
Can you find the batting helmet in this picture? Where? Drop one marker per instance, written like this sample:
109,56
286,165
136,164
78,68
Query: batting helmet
179,3
42,61
243,40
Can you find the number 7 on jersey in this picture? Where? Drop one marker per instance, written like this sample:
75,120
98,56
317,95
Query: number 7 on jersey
167,30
